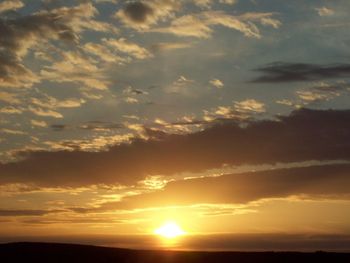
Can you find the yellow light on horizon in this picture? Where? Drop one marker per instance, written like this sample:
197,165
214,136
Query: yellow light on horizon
169,230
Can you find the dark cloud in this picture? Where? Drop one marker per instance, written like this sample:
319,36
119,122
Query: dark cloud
90,220
290,72
303,135
138,92
20,33
22,29
138,11
90,125
23,33
331,181
27,212
141,15
133,91
58,127
11,67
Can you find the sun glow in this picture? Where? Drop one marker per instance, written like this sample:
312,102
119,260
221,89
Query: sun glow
169,230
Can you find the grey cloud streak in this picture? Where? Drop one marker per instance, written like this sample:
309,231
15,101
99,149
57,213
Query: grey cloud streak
9,213
292,72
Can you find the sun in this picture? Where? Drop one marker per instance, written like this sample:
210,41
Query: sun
169,230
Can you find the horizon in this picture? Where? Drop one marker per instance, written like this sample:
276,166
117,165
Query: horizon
176,124
219,242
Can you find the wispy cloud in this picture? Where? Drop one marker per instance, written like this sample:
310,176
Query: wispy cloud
7,5
208,3
217,83
77,68
200,24
164,46
240,110
124,46
324,11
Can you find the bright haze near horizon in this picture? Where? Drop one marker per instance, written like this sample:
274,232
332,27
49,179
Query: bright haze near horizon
228,118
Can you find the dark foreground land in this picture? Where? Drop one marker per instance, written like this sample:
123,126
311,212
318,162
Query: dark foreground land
66,253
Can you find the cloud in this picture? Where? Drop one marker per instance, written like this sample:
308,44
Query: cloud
32,32
99,126
45,112
50,102
144,15
182,86
36,123
250,105
165,46
131,100
188,25
12,132
72,220
38,103
58,127
317,93
208,3
77,68
131,91
117,50
217,83
324,11
96,144
80,18
228,2
286,102
200,24
321,92
124,46
141,15
4,212
106,1
317,181
102,52
11,110
137,12
203,3
12,71
7,5
291,72
9,98
303,135
240,110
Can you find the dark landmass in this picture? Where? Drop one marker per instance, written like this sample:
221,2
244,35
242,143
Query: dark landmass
66,253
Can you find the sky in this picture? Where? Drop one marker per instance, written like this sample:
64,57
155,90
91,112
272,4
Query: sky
229,117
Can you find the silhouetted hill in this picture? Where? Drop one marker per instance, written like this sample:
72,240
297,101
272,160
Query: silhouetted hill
66,253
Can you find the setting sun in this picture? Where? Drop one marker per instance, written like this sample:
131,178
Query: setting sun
169,230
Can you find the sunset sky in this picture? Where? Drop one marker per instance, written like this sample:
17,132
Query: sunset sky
225,116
